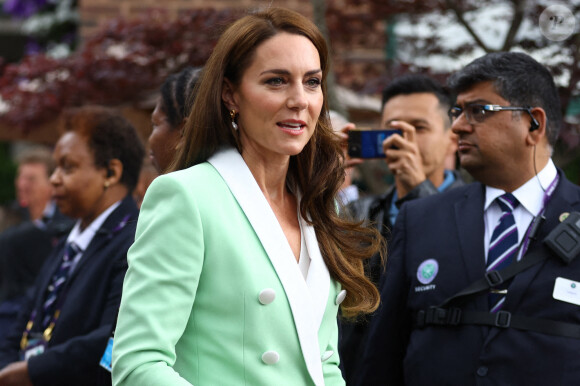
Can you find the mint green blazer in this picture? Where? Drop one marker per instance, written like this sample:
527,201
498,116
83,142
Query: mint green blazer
213,294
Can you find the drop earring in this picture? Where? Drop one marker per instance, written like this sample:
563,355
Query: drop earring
234,115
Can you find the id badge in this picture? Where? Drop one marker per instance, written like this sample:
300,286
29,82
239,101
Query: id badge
107,356
567,290
35,346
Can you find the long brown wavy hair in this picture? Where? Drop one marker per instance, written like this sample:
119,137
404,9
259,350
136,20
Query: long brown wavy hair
317,171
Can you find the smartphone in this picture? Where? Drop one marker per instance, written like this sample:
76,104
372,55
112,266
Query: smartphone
368,143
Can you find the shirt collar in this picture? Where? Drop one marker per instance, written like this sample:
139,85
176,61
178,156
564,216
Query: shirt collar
531,194
448,180
84,238
49,210
348,194
47,215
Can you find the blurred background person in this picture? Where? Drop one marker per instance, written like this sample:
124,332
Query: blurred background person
348,191
417,105
32,185
25,246
240,260
169,116
63,328
167,121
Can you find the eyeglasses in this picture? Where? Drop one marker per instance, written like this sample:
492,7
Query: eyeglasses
478,113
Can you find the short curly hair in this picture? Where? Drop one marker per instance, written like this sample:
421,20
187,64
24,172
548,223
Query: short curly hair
110,136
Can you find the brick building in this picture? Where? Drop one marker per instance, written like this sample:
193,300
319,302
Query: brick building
356,55
95,12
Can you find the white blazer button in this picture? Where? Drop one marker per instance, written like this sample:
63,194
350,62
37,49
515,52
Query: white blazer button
340,297
326,356
270,357
267,296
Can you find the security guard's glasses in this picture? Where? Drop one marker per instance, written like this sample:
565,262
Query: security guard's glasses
478,113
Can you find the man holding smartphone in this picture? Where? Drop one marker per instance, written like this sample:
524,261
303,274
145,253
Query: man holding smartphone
421,159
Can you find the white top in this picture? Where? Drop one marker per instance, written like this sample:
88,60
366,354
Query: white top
84,238
304,259
531,198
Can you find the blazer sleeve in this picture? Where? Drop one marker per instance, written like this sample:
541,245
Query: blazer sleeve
165,264
9,346
390,328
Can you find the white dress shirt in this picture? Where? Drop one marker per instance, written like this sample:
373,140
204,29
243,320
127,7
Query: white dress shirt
304,259
531,197
82,239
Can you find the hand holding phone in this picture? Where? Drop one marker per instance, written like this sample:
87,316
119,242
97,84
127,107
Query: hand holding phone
368,143
404,157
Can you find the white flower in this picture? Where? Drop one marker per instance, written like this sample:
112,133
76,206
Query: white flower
4,106
30,85
117,51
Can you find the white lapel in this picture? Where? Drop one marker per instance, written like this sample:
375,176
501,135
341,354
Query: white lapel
233,169
318,279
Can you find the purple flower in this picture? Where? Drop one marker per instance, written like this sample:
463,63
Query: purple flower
33,47
23,8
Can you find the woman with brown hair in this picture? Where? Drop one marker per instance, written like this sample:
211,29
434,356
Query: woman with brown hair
240,260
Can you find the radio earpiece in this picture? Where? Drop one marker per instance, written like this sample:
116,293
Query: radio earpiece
534,125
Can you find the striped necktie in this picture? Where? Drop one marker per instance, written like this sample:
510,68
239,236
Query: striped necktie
503,245
57,283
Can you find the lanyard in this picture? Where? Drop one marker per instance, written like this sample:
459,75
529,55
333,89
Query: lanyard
47,333
537,220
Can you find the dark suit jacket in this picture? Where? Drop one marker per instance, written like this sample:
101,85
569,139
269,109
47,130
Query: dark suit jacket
93,294
375,210
23,250
449,228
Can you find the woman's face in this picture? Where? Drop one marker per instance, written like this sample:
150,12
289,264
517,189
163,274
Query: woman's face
79,186
279,97
162,140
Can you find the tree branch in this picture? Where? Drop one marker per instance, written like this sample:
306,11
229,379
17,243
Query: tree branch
519,10
459,14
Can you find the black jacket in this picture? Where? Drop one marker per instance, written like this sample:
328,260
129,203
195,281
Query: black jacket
23,250
375,210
